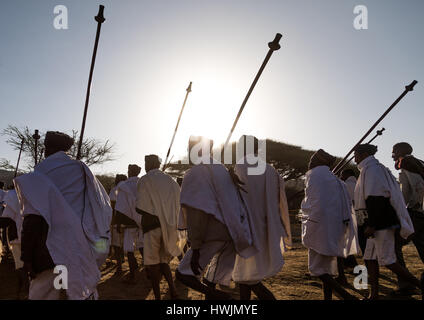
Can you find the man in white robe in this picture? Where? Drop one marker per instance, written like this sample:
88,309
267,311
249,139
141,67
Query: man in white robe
378,195
158,202
13,212
328,227
269,222
217,222
411,178
128,218
349,178
117,235
66,224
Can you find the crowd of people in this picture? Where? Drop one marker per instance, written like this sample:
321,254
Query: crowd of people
222,224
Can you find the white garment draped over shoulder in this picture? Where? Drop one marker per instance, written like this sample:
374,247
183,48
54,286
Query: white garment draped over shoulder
159,195
264,195
13,211
351,185
209,188
126,199
377,180
328,226
77,210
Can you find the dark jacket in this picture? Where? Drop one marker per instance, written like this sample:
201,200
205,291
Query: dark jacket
381,214
148,221
122,219
33,243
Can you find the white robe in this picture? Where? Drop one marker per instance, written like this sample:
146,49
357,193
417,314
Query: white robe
13,211
78,237
350,185
377,180
159,195
209,188
126,199
326,209
268,228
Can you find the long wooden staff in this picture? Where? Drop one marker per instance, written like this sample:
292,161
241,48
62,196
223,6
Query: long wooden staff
19,157
188,90
273,46
100,19
408,88
378,133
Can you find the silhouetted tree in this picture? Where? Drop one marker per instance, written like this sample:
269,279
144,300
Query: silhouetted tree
93,151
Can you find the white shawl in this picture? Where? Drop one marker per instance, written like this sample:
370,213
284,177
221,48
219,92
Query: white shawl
159,195
328,226
77,240
351,185
209,188
126,198
13,212
377,180
268,228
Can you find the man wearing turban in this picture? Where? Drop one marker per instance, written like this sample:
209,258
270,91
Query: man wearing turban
411,178
328,228
378,196
66,227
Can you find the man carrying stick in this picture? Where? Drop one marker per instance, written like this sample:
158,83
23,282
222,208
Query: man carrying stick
66,223
328,230
378,194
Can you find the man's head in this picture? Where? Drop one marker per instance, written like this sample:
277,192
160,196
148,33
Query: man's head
363,151
119,178
133,170
199,148
401,150
152,162
321,158
56,141
1,185
346,173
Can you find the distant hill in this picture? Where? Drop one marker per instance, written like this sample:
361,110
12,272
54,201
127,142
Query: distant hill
289,160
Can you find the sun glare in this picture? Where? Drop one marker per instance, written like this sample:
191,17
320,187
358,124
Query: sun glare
209,112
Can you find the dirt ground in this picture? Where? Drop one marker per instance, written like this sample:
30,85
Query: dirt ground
292,283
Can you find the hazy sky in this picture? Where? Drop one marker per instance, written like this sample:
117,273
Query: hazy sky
323,89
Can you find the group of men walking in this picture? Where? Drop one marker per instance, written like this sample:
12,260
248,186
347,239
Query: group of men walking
237,223
385,216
